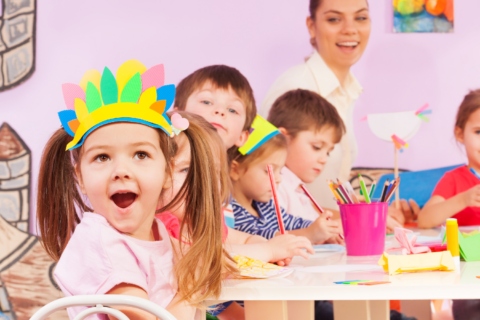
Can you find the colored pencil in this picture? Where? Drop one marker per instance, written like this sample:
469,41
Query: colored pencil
384,190
396,183
364,189
315,203
344,192
275,199
351,192
335,193
372,189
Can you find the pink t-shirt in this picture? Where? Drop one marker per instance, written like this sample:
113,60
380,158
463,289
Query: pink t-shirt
293,199
98,257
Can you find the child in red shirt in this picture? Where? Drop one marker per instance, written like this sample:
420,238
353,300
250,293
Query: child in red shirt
457,194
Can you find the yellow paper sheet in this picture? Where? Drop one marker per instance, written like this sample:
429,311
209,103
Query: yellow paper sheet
432,261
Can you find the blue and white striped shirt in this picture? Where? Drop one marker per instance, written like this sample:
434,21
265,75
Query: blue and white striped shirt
266,224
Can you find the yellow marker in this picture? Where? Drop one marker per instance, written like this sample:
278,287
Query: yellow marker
452,240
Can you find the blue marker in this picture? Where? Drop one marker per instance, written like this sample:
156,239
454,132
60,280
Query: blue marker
475,173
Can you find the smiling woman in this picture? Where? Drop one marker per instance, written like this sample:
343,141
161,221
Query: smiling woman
339,32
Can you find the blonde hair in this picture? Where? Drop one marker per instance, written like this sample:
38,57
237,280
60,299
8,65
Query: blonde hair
203,197
277,142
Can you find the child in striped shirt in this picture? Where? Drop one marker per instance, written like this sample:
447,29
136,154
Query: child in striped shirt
253,207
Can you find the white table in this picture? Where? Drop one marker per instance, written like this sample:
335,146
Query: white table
267,298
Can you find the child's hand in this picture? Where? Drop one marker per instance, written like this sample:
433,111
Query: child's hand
392,224
324,228
410,210
396,214
285,246
471,197
336,239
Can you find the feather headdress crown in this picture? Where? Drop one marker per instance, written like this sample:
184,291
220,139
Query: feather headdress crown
135,95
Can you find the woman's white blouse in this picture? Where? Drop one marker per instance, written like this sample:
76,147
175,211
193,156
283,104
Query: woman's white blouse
316,76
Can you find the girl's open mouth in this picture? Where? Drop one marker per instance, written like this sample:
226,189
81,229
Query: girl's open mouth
123,200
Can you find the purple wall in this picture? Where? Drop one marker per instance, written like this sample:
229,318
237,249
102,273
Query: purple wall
262,39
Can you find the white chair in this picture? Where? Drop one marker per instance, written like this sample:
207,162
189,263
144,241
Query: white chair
97,305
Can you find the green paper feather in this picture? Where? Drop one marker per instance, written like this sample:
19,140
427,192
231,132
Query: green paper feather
108,87
132,90
424,118
92,98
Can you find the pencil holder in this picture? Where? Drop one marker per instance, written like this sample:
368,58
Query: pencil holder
364,227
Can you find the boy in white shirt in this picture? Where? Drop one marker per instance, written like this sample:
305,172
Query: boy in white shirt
312,127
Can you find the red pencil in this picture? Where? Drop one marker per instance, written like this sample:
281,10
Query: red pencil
275,199
315,203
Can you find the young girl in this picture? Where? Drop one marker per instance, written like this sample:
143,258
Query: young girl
457,194
278,250
114,171
253,206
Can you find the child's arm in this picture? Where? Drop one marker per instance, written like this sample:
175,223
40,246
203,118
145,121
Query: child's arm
320,230
277,249
239,237
437,209
181,310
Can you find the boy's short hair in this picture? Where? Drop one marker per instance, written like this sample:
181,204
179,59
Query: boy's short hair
221,77
303,110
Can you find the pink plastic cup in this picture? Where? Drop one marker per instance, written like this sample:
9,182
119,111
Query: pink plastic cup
364,228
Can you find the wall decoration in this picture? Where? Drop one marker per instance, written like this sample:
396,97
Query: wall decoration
26,281
423,15
398,128
17,41
15,172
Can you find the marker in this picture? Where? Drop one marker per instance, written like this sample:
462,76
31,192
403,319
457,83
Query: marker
452,241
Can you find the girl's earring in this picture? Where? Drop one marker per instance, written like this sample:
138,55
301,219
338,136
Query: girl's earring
313,42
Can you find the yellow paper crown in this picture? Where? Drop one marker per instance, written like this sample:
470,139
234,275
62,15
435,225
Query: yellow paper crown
134,95
261,132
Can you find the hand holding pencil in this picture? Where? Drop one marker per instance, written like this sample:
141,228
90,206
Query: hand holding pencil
323,228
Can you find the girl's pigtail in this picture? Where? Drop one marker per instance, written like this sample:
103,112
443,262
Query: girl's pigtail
57,195
203,221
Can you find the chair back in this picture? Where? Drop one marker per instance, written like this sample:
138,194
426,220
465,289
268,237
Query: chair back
102,304
416,185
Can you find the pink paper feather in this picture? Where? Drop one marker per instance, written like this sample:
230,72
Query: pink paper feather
70,93
153,77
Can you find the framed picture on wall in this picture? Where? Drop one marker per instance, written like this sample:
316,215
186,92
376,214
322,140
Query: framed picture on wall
423,16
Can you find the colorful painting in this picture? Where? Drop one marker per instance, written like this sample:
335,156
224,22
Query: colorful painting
17,41
423,16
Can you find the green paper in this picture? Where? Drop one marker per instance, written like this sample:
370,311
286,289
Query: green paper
469,247
132,90
92,98
108,87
